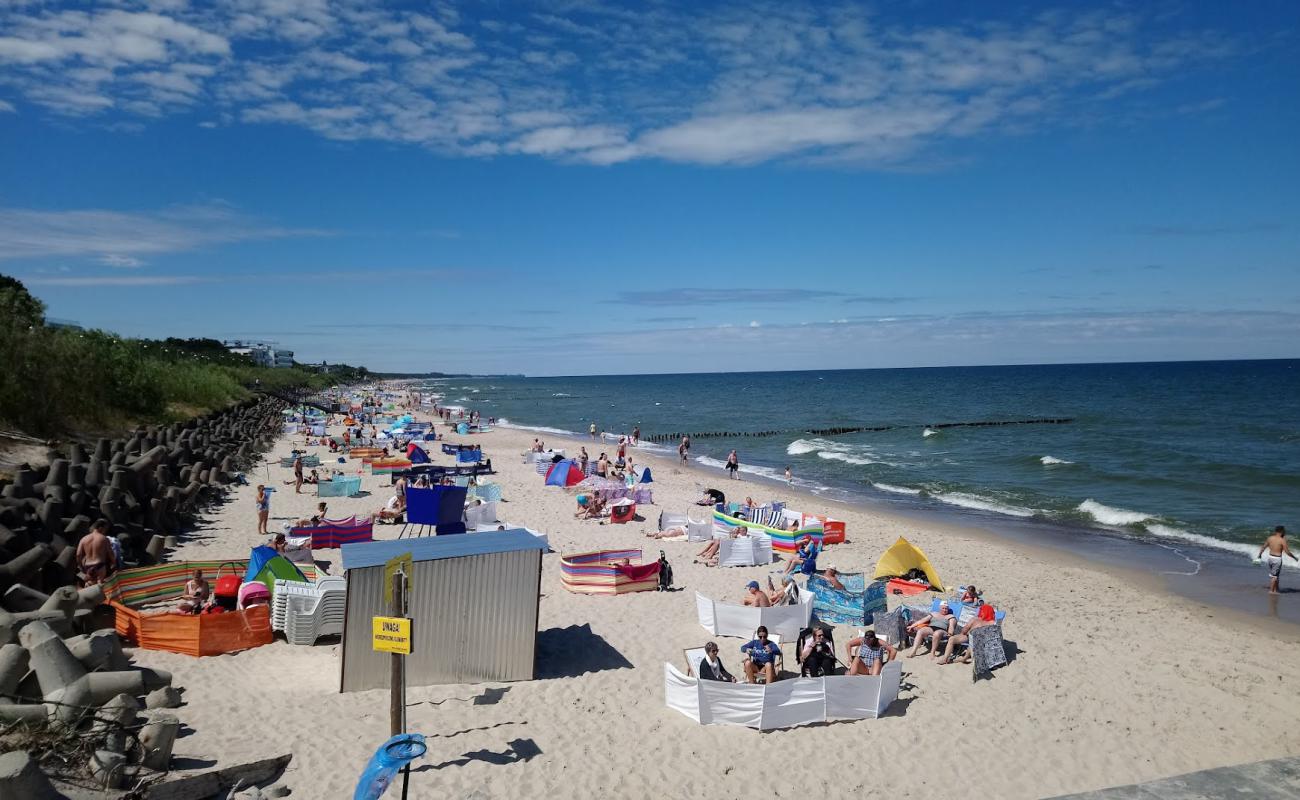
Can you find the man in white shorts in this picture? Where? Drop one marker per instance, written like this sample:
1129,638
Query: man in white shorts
1276,545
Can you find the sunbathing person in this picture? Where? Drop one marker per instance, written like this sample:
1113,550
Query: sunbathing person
392,510
314,477
832,576
786,595
710,551
971,596
804,558
933,627
761,656
711,668
196,594
671,532
963,637
817,655
872,653
755,596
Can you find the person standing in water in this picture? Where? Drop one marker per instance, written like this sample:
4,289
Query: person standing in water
733,463
591,430
1277,546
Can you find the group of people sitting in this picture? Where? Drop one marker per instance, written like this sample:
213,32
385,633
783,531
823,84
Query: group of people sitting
867,655
942,626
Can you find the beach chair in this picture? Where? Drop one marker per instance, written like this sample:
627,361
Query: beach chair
694,656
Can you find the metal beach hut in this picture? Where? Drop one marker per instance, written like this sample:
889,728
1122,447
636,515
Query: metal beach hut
473,604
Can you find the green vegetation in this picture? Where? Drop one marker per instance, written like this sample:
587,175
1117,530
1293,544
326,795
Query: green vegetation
56,380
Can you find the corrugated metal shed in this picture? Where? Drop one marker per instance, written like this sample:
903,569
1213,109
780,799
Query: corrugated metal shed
473,608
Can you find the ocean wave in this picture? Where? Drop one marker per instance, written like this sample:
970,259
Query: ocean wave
978,503
928,432
1112,516
801,446
1170,532
831,455
1048,461
888,487
561,394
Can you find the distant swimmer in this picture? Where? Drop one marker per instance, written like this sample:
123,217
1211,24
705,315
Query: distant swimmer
1276,545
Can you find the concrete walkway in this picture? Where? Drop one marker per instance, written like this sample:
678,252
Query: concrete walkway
1264,780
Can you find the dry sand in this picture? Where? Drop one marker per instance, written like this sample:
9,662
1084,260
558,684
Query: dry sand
1114,682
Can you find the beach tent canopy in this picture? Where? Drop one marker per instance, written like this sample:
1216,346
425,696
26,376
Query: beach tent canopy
564,473
266,566
416,455
904,557
645,476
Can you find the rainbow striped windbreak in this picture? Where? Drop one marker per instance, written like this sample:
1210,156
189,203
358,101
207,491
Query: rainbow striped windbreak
598,572
133,587
785,542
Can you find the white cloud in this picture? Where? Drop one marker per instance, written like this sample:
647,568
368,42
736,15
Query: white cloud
117,238
120,261
601,84
117,280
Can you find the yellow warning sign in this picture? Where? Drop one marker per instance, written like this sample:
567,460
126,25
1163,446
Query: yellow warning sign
391,635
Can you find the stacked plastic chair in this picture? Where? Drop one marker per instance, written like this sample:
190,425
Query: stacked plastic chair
304,612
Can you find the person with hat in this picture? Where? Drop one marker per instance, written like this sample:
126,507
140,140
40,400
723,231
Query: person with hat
756,597
711,668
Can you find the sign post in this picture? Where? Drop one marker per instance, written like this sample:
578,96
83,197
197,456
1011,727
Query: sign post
392,634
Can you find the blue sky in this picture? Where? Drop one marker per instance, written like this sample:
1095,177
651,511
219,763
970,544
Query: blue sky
580,187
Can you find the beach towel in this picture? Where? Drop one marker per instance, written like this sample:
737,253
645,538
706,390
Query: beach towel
891,626
988,652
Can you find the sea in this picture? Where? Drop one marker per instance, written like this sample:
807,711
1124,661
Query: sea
1198,459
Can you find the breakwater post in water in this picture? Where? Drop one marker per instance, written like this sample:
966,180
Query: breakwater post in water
674,437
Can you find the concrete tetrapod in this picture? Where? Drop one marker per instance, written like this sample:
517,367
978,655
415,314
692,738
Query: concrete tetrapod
65,685
20,776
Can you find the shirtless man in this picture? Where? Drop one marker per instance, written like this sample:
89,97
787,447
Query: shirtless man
95,553
756,597
297,475
1276,545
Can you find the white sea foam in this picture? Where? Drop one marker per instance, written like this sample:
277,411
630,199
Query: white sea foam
928,432
1170,532
561,394
766,472
801,446
1112,516
1048,461
831,455
887,487
505,423
978,503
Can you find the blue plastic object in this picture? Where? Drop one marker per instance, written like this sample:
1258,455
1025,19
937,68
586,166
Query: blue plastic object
387,761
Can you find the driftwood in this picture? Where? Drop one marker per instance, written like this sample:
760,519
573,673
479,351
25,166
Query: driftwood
208,784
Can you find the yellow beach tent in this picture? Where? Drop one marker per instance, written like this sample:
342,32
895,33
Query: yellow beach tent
904,556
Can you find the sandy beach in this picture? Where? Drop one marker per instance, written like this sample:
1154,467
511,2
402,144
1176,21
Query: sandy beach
1113,681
